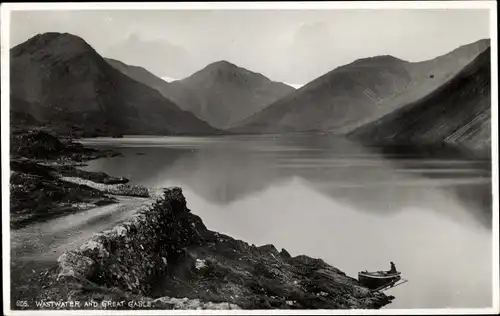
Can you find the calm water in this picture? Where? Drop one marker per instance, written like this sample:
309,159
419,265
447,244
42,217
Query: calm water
354,207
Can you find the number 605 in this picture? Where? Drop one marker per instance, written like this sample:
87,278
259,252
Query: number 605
22,303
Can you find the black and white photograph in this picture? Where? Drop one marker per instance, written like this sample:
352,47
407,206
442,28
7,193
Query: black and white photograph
238,157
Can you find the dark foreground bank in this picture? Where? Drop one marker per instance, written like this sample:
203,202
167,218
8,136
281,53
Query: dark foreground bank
40,165
164,257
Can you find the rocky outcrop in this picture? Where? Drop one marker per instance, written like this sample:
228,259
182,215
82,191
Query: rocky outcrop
165,258
40,145
262,278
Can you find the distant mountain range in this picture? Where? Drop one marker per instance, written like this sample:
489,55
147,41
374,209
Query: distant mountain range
59,80
355,94
457,113
220,94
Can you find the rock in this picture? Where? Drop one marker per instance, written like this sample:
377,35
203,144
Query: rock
120,230
94,247
200,264
75,265
269,249
285,254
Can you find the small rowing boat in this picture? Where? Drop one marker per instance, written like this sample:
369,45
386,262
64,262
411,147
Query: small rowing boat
379,280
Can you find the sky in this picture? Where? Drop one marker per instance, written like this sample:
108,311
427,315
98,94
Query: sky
292,46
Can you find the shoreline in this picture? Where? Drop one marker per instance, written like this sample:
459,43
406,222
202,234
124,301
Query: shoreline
185,265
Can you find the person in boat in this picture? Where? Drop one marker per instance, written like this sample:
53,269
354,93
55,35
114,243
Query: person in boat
393,268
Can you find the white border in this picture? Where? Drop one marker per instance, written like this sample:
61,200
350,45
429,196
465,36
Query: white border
6,8
255,5
5,127
494,143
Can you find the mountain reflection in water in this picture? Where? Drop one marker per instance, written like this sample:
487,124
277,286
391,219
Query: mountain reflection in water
357,208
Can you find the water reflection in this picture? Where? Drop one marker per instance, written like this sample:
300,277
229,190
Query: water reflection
356,208
226,169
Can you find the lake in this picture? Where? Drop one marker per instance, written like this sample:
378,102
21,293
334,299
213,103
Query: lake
357,208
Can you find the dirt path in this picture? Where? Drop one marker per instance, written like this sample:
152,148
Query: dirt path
36,247
48,240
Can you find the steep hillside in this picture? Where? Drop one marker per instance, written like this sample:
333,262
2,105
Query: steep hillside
334,99
139,74
458,113
61,81
357,93
220,94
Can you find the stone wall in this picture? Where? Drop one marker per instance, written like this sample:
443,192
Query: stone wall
134,253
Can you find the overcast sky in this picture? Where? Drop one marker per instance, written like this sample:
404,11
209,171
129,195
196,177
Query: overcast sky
289,46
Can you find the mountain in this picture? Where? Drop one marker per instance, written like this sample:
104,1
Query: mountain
458,113
138,74
223,93
355,94
60,80
220,94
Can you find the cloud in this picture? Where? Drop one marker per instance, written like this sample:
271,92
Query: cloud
156,55
313,45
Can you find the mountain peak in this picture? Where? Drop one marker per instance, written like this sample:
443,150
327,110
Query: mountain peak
55,35
485,42
222,64
48,37
381,59
223,93
225,71
62,43
475,47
